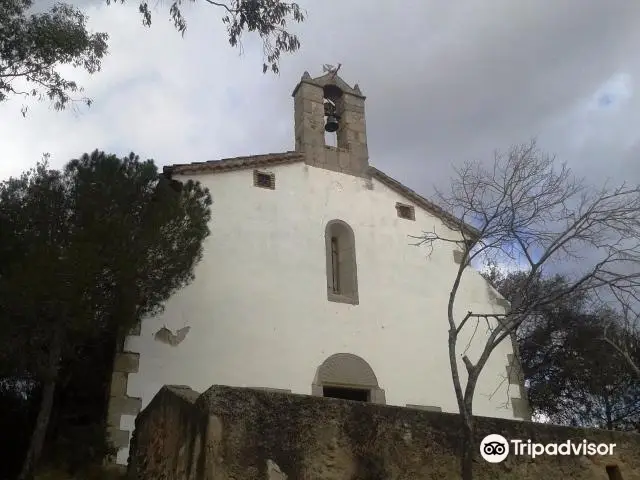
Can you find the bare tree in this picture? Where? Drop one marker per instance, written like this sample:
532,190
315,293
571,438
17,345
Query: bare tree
622,332
526,208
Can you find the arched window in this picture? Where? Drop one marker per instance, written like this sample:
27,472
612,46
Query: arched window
349,377
342,275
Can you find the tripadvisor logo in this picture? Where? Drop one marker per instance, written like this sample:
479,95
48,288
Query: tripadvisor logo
495,448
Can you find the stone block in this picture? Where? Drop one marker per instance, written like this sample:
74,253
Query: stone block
513,374
307,106
126,362
331,158
352,118
358,127
351,135
520,408
428,408
378,396
269,389
119,438
113,418
344,161
351,101
310,91
125,406
503,302
458,256
118,384
317,109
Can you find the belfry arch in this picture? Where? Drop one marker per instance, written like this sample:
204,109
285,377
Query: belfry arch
347,376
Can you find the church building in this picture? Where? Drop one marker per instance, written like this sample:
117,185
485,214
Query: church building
310,283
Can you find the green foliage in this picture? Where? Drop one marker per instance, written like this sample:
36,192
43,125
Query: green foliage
18,408
76,435
78,447
86,253
149,235
105,240
574,377
267,18
33,46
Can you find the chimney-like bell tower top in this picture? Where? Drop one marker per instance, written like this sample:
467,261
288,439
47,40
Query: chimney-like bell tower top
329,104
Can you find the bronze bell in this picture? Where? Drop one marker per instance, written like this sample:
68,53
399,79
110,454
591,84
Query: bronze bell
332,124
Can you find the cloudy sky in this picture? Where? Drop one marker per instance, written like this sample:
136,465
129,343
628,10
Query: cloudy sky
445,82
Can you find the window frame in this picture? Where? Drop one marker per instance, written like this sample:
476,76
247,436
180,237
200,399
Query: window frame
258,174
409,209
347,287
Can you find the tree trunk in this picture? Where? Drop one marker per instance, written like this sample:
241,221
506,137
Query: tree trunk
465,406
468,428
607,410
44,413
468,445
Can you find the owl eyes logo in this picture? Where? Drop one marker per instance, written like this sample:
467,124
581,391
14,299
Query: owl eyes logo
494,448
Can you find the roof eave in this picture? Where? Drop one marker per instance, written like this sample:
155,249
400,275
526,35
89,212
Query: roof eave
237,163
272,159
451,220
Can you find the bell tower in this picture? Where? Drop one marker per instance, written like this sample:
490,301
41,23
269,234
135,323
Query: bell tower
328,104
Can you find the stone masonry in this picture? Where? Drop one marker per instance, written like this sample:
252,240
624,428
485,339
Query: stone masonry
120,403
351,155
237,433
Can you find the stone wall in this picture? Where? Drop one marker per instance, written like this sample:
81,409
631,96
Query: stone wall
351,155
121,404
235,433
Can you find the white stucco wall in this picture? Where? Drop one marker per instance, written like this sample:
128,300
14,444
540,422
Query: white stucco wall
258,308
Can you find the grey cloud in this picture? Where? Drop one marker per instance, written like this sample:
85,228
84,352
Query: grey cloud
445,82
489,77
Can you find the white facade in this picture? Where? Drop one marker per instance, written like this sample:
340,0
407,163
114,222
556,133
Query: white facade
258,311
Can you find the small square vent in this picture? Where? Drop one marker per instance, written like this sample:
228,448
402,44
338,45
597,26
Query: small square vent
406,211
264,180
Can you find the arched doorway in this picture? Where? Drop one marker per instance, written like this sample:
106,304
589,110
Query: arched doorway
348,377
